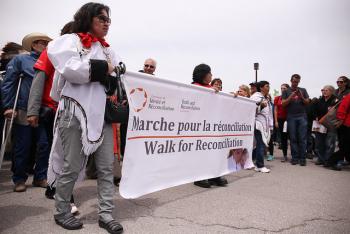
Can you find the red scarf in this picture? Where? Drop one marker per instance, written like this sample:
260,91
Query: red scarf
87,39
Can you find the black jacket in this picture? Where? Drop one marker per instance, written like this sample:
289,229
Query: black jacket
322,106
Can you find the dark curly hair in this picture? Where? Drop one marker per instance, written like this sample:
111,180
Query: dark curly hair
199,72
67,28
11,48
84,16
346,81
216,80
261,84
296,76
286,85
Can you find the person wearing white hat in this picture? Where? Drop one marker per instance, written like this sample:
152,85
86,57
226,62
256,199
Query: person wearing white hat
35,42
22,66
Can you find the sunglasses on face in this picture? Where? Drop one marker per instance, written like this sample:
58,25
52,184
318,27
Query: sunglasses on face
150,66
104,19
41,42
340,82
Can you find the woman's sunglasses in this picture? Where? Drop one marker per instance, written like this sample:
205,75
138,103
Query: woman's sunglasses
151,66
104,19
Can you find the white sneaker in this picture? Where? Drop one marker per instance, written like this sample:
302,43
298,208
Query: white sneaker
74,209
263,170
250,168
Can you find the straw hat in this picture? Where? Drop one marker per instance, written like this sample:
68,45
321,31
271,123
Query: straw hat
30,38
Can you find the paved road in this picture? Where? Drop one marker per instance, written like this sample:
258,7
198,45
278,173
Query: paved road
291,199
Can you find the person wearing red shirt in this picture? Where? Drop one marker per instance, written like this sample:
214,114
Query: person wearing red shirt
39,97
40,104
343,115
41,107
202,77
280,117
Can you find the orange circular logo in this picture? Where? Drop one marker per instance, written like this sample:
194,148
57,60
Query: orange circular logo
139,98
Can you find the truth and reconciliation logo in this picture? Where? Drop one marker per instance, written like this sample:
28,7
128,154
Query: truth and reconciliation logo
139,98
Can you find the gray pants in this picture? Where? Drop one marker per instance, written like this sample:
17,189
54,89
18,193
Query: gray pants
74,157
325,145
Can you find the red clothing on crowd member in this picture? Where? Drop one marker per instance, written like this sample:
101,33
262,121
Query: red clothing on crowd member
343,112
45,65
116,140
116,132
87,39
203,85
281,111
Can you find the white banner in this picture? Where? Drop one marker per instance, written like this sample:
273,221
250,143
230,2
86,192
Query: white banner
179,133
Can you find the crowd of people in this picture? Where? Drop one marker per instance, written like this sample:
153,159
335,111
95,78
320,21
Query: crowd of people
63,84
312,126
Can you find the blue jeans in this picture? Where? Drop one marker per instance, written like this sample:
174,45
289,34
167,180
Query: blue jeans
23,140
325,145
297,130
259,151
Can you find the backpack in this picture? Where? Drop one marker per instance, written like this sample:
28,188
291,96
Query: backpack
329,120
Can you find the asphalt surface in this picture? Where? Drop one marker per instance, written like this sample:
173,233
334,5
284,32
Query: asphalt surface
290,199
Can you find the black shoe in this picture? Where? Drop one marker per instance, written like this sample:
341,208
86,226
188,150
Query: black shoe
71,199
294,162
202,183
68,221
116,181
112,226
302,162
326,164
336,167
218,181
318,162
310,156
50,192
284,159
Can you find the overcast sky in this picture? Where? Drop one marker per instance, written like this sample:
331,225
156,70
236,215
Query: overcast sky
309,37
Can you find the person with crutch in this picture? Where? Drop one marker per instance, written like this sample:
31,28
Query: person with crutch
23,132
9,51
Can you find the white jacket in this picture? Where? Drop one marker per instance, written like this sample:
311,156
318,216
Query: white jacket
263,117
84,99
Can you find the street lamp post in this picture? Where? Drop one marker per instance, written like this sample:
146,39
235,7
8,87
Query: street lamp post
256,68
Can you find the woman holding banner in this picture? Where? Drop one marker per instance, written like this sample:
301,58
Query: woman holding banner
216,84
202,77
87,68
